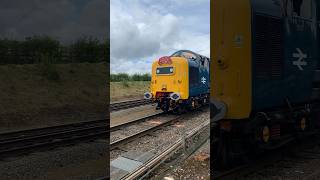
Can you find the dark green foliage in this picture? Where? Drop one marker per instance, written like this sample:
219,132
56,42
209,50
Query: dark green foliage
30,50
87,50
120,77
125,77
125,84
48,68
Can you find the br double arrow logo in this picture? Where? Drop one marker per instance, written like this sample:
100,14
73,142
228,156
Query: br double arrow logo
203,80
300,62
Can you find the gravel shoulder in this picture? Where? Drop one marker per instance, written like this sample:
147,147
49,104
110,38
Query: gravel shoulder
196,166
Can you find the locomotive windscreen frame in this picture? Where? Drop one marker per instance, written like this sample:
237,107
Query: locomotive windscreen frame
165,70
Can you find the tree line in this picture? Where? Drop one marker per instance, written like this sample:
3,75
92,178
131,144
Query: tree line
120,77
32,50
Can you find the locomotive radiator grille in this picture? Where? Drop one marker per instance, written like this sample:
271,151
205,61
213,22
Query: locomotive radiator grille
268,52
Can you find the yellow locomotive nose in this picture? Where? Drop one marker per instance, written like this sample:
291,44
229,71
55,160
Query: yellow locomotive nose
164,87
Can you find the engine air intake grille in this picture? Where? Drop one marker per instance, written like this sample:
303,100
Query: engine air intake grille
268,47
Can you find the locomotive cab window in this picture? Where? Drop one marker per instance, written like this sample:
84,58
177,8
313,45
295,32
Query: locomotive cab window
164,70
185,54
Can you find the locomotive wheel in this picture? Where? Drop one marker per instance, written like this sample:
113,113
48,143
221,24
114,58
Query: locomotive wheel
265,134
303,124
177,110
193,104
165,107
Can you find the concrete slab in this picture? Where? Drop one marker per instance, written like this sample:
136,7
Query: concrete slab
138,156
126,164
116,173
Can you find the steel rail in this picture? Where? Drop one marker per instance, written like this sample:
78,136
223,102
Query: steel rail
120,126
18,144
129,104
120,142
44,130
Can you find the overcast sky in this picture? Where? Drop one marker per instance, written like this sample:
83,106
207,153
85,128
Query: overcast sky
143,30
65,20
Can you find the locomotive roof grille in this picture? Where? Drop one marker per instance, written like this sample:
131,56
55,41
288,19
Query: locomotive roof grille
190,55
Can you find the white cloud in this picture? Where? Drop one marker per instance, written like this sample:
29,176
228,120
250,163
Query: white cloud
143,30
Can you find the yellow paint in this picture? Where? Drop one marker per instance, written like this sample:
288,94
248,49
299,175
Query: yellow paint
231,56
177,82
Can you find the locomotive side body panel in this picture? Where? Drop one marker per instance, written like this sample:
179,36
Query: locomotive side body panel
198,78
284,53
231,79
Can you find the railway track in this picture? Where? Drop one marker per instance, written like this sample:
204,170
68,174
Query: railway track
129,104
181,144
118,143
23,142
124,125
144,132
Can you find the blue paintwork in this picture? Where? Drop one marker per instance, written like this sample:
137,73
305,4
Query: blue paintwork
269,7
294,84
203,72
200,88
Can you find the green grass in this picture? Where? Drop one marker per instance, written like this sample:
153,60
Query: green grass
29,96
121,91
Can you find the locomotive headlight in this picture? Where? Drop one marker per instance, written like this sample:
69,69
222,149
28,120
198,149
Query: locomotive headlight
147,95
175,96
171,70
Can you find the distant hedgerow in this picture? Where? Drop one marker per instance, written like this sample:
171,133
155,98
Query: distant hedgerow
126,77
29,50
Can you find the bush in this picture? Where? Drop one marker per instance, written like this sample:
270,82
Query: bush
125,84
125,77
48,68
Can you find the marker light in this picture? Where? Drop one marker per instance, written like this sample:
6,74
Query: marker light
147,95
175,96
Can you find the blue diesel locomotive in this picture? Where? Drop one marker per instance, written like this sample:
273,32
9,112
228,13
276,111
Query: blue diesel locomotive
180,82
264,74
